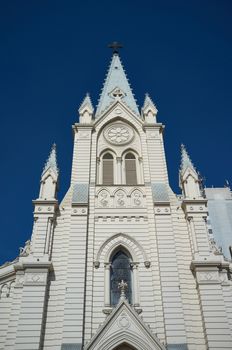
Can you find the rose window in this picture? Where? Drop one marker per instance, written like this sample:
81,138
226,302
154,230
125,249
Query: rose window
118,134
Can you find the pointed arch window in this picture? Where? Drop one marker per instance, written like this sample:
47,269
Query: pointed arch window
108,169
120,270
130,169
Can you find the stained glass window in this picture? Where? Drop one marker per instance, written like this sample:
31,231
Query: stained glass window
120,270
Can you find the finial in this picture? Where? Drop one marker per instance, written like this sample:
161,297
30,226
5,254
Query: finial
115,46
122,286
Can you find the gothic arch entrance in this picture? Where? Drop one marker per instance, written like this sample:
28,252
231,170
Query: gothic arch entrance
124,347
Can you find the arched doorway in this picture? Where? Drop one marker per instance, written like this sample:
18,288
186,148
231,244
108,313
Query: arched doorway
124,347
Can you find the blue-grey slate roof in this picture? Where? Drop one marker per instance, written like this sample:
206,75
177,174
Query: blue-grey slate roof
159,192
80,193
116,78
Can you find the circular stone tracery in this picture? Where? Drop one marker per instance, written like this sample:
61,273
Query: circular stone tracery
118,134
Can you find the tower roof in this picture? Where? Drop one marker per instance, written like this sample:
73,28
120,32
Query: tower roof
116,85
185,160
51,161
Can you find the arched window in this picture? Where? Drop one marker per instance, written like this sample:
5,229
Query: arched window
130,169
120,270
108,169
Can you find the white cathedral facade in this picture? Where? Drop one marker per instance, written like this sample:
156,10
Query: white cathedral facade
122,263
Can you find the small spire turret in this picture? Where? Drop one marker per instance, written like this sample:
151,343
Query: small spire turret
51,161
189,179
49,177
186,161
86,110
149,110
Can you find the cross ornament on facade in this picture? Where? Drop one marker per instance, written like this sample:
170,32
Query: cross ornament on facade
115,46
122,286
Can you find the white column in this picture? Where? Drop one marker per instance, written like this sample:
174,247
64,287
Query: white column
119,171
48,236
140,171
99,172
134,267
192,231
107,284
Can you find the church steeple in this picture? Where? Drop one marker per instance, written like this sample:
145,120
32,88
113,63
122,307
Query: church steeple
116,87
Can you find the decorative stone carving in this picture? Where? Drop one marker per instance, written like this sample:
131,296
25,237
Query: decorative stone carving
137,198
147,264
26,250
117,93
123,321
35,278
5,291
120,198
96,264
104,198
208,276
123,287
118,134
214,247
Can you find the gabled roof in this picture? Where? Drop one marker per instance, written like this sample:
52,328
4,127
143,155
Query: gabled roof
116,86
51,161
124,326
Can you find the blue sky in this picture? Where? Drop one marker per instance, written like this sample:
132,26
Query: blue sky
53,52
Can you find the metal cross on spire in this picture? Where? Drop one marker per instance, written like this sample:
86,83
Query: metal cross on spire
115,46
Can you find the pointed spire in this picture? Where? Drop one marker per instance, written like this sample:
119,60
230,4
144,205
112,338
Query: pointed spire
51,161
149,109
148,102
86,103
185,160
116,86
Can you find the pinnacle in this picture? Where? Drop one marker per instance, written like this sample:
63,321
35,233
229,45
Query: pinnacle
51,161
185,159
148,102
116,79
86,101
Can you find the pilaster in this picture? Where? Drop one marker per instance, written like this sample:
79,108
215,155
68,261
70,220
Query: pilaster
31,277
196,214
74,307
44,221
210,278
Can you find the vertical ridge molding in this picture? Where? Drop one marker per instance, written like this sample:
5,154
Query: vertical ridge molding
75,282
81,153
210,278
44,215
32,278
168,267
196,214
